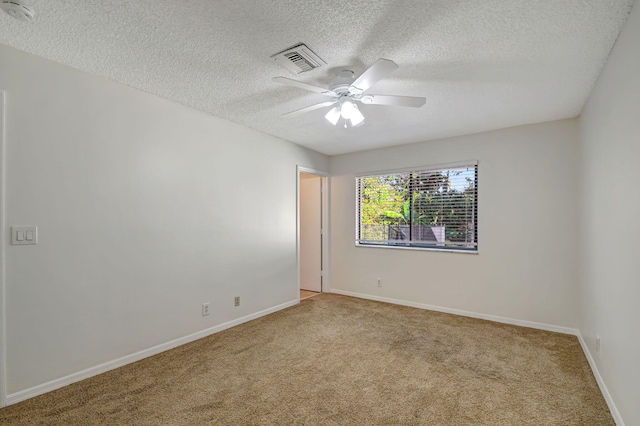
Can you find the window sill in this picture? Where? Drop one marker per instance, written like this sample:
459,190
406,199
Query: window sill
447,250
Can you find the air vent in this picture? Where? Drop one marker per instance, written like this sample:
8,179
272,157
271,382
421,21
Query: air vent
298,59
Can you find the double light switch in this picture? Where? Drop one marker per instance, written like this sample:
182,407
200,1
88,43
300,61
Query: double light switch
21,235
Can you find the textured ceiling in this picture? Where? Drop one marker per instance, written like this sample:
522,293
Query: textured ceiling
481,65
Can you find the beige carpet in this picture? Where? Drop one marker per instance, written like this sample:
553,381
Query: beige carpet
335,360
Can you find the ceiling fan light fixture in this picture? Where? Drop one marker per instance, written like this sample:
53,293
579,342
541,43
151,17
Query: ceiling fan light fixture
357,125
356,116
347,109
333,115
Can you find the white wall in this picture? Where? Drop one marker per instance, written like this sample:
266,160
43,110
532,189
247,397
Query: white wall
526,266
610,261
145,208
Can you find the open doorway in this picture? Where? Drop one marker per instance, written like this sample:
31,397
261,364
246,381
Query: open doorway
312,212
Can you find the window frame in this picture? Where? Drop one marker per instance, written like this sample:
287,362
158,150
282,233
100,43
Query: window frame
413,245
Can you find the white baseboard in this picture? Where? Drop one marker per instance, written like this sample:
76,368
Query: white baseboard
504,320
111,365
547,327
603,388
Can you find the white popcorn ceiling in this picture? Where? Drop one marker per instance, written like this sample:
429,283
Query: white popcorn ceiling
482,65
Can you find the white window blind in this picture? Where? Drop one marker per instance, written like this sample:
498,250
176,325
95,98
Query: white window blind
428,208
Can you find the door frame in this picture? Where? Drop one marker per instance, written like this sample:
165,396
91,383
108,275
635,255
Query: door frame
3,317
325,223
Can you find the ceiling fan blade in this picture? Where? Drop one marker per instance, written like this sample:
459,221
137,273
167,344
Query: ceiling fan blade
375,72
301,85
309,108
406,101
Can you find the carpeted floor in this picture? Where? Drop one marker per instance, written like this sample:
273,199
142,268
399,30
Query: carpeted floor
336,360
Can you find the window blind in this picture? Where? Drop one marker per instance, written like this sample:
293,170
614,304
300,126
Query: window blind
433,208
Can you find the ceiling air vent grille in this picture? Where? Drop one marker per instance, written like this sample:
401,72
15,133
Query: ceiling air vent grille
298,59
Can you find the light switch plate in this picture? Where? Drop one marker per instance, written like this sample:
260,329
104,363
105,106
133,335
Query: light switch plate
25,233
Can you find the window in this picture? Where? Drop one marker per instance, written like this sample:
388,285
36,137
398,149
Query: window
434,208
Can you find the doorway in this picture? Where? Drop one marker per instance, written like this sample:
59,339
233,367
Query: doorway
312,220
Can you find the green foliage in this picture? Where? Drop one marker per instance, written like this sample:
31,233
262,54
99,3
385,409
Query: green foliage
381,201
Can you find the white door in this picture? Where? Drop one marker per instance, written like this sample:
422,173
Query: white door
310,232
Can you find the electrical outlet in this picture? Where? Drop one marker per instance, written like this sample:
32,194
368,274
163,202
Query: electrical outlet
597,343
205,309
379,282
236,301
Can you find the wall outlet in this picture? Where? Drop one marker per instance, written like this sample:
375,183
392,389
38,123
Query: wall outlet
597,343
379,282
236,301
205,309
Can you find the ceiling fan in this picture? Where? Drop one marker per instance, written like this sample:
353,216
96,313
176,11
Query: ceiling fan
346,90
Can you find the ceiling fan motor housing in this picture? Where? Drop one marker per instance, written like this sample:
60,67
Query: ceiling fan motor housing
340,86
